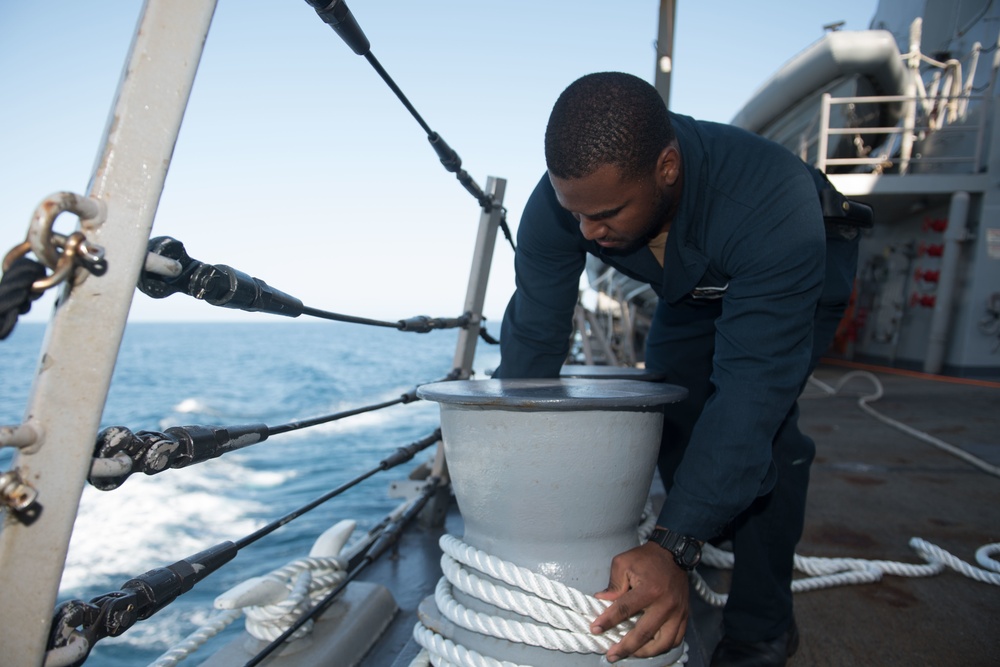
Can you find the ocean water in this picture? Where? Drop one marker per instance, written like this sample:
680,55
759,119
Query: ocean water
229,374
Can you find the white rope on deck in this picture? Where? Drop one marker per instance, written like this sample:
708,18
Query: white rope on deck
196,639
308,581
830,572
274,602
863,403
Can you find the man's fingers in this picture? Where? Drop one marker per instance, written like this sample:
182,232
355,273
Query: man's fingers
666,638
648,638
608,594
618,581
624,607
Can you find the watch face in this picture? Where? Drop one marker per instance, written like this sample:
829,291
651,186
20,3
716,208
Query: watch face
686,551
689,556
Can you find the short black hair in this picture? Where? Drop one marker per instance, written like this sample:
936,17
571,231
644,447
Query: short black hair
607,118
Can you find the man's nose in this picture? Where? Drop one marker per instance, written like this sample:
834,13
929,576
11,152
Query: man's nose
591,229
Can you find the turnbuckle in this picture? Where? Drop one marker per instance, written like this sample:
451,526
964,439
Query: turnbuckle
58,252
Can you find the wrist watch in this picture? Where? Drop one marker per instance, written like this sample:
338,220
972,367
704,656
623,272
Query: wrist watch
686,550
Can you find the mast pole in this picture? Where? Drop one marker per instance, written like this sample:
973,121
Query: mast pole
665,49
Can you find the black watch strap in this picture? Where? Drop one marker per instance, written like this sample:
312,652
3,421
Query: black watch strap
686,550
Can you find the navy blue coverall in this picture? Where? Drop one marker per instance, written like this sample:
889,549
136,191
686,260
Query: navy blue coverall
750,294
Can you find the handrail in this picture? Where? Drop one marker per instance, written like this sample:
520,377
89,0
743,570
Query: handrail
908,129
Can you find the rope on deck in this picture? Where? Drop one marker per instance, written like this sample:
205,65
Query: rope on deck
863,403
197,639
831,572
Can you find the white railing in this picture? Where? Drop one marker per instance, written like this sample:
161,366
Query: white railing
933,118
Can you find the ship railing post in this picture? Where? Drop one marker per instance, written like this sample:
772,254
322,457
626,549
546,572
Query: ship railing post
433,513
986,111
81,344
479,274
824,132
910,105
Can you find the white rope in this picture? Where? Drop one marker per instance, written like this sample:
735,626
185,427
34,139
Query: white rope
516,631
196,639
648,521
863,403
522,578
446,653
830,572
564,613
308,581
514,600
983,556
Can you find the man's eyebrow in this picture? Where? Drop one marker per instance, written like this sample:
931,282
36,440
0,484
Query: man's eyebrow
604,215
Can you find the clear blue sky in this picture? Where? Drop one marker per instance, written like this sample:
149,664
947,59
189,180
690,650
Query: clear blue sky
296,164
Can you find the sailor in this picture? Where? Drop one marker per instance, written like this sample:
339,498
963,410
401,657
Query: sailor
728,229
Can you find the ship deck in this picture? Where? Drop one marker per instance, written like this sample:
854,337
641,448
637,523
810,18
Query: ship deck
873,488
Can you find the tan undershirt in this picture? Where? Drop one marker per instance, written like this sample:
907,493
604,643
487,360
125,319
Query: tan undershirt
658,245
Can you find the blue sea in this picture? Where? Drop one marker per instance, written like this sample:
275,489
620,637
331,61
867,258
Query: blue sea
229,374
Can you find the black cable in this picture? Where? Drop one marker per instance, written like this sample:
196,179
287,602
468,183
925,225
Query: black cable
485,335
337,317
373,61
401,455
16,294
316,421
339,17
506,230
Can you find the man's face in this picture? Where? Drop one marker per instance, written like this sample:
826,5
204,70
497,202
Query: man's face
620,215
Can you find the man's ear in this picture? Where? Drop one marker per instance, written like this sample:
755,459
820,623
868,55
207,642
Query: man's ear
668,165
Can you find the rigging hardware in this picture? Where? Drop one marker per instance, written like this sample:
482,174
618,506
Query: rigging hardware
111,614
222,285
219,285
338,16
78,625
59,252
19,497
119,452
24,279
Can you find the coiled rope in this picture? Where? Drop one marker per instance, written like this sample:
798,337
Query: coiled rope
292,590
307,580
563,613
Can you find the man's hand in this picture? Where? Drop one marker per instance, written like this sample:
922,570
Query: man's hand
645,579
